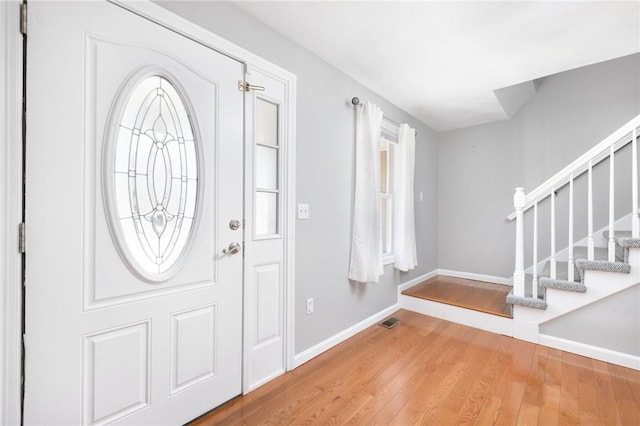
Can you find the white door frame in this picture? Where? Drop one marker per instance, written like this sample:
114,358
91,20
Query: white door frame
11,74
10,212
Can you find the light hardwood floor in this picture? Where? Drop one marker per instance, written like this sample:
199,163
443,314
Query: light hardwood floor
434,372
470,294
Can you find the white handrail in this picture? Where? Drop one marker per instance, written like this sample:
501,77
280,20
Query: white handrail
617,139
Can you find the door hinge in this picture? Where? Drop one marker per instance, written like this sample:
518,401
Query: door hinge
23,18
22,239
247,87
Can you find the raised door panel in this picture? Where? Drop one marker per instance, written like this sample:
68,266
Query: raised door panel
116,370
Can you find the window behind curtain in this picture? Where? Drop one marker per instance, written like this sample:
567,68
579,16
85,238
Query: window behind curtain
388,140
386,196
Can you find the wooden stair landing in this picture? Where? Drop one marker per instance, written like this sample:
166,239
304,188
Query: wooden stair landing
469,294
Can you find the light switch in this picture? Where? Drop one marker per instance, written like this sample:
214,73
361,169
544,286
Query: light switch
303,211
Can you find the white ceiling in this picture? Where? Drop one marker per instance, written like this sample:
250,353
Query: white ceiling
442,61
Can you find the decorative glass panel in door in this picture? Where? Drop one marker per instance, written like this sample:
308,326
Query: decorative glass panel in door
150,175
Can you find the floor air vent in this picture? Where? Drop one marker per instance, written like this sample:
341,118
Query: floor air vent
389,322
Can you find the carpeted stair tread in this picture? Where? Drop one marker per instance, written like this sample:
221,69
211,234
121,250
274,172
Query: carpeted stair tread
601,265
565,285
628,242
528,302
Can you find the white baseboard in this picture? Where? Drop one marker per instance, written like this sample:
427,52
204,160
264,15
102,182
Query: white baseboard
476,277
402,287
332,341
607,355
327,344
456,274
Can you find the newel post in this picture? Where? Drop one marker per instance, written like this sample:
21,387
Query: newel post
518,273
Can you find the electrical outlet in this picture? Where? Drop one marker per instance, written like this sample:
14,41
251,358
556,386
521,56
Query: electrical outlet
421,196
303,211
310,306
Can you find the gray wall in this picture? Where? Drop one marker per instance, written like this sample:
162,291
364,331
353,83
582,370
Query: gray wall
611,323
324,164
479,167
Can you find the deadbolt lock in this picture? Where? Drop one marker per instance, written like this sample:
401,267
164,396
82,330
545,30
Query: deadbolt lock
234,224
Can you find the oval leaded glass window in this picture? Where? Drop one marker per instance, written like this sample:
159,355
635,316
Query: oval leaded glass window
152,177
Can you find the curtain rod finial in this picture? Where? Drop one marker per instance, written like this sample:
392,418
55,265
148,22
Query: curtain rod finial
355,101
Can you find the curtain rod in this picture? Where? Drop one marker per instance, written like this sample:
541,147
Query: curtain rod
355,101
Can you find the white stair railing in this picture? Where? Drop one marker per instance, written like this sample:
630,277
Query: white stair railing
534,282
612,205
518,274
570,257
522,202
590,242
553,233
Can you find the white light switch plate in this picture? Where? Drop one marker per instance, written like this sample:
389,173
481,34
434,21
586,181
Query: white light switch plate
303,211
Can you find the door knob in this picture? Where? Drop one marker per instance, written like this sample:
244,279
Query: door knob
233,248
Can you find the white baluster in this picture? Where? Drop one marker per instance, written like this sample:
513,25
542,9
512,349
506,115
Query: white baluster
635,215
534,284
590,244
570,276
553,234
518,273
612,199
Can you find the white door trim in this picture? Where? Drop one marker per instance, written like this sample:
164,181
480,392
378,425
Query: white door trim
10,212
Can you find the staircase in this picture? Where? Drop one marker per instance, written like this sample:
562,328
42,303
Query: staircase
601,264
561,281
590,271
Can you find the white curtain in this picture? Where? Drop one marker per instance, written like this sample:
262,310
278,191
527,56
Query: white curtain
404,228
366,240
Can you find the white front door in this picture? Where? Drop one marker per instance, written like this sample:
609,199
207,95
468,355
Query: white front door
133,177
